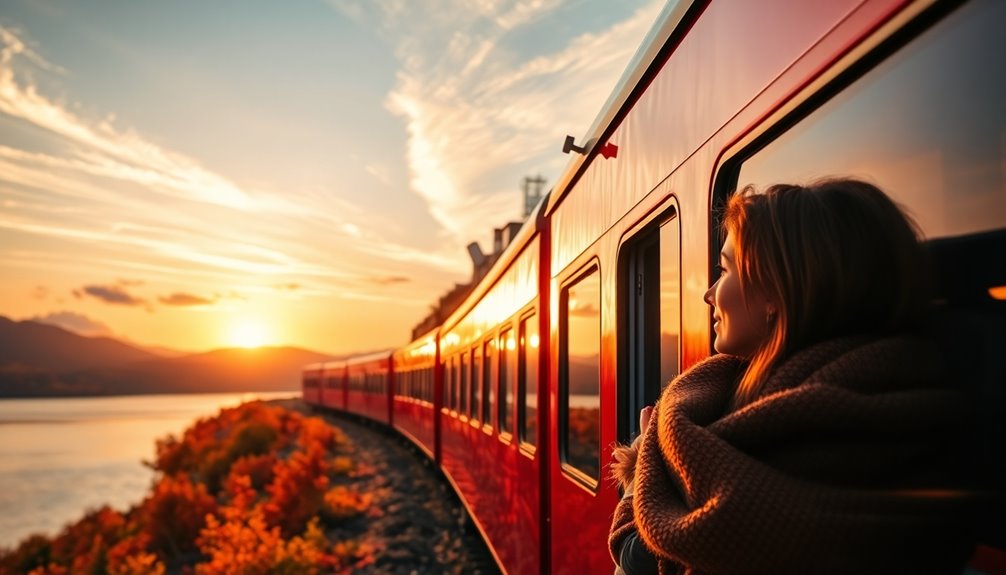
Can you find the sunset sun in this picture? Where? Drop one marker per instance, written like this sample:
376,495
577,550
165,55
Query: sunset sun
248,334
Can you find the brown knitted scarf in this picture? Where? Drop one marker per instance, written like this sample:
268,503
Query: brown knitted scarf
843,464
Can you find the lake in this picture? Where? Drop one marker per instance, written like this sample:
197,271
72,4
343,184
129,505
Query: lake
61,457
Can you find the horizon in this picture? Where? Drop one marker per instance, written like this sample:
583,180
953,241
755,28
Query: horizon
172,353
200,177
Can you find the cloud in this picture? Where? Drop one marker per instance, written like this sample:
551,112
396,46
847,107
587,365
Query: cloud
389,280
288,287
75,322
180,299
481,112
110,294
103,149
145,207
584,309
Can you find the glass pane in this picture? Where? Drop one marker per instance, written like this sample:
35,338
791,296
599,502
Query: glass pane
488,391
928,126
477,383
583,374
508,380
529,344
448,384
670,300
465,409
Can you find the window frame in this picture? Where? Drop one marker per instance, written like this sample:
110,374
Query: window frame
590,267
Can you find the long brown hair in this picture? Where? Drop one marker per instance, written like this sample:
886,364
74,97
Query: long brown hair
836,257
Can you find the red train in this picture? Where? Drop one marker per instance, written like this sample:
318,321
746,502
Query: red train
597,302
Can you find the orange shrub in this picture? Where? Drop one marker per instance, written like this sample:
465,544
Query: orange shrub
237,494
174,513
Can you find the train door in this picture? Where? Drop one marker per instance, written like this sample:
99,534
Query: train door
649,318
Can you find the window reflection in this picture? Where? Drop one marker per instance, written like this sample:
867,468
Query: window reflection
465,404
583,375
528,416
670,300
927,125
477,383
508,378
488,393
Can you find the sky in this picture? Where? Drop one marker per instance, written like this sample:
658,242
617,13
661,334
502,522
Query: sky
195,175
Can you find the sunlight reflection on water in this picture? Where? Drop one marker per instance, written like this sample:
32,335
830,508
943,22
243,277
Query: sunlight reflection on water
60,457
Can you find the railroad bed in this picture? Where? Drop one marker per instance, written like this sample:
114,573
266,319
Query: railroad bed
421,526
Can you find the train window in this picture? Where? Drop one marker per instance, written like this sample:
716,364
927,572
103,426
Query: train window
488,387
928,126
508,380
527,406
459,392
445,388
465,407
477,383
454,383
580,383
651,328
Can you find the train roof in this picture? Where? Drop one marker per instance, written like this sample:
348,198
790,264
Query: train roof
377,355
666,30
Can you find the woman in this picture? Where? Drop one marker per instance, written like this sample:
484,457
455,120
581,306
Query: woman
822,437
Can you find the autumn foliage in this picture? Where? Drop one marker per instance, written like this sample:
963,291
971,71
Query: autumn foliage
255,490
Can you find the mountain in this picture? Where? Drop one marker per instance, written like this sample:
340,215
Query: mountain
44,361
29,343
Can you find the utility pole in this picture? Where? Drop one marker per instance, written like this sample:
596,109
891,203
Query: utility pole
532,193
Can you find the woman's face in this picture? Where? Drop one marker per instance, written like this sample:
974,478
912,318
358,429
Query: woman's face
741,324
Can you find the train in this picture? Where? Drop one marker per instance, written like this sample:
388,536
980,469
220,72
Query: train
597,301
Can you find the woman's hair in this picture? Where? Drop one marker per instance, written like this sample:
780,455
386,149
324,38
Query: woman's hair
836,258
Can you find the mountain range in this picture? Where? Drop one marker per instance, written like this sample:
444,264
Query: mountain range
40,360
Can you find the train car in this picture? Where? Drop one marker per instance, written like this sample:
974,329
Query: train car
311,384
489,421
736,93
413,403
333,385
611,272
369,386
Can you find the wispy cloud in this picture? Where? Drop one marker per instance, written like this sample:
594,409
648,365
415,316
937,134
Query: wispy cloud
480,114
75,322
141,206
112,294
181,299
104,150
388,280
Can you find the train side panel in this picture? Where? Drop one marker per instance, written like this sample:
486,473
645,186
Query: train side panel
368,386
413,367
490,362
333,385
311,380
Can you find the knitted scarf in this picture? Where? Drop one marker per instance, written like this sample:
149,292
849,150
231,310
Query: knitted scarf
843,464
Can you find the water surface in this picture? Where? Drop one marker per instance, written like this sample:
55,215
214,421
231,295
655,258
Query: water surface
61,457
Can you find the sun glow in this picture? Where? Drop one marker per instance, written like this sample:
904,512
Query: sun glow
248,334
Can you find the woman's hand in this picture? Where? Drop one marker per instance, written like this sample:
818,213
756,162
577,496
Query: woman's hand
644,419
